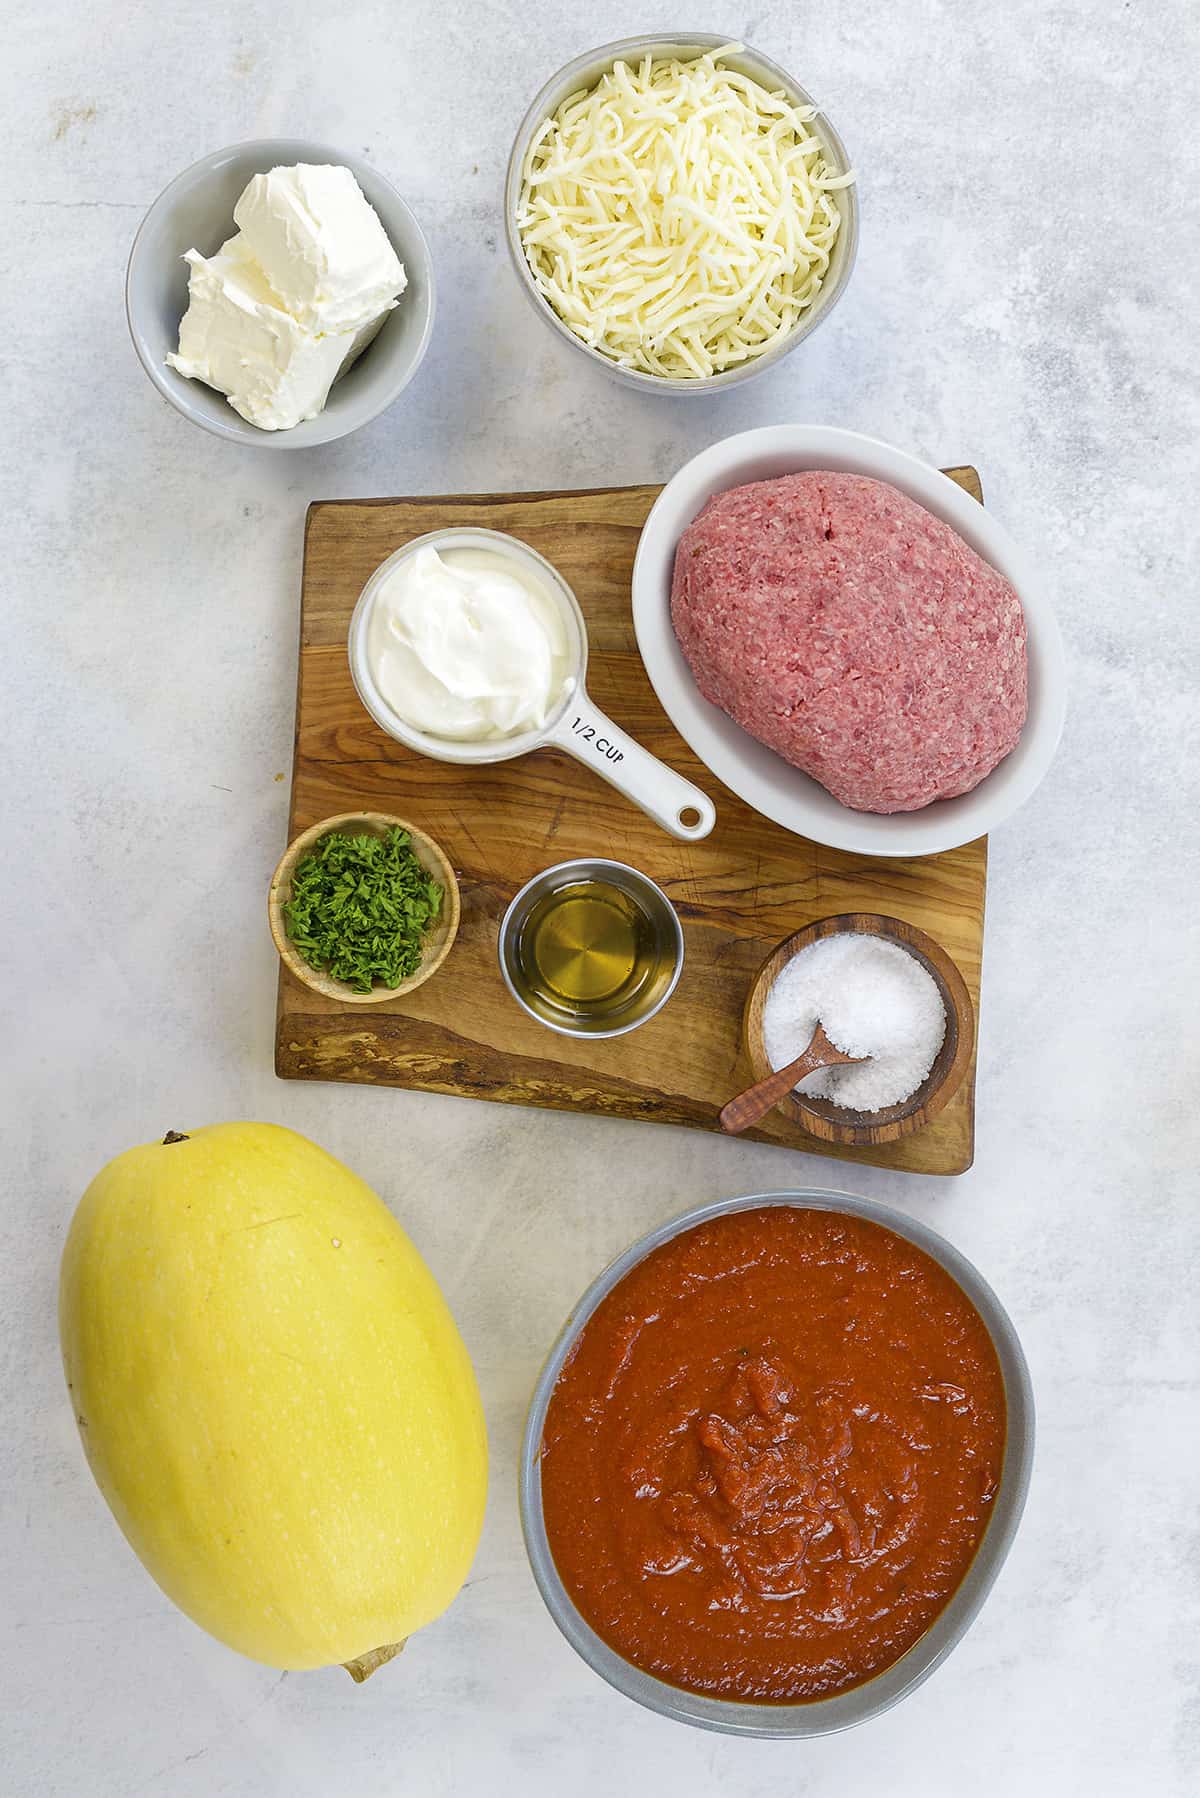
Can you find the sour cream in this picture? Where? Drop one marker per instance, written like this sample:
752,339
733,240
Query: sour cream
467,644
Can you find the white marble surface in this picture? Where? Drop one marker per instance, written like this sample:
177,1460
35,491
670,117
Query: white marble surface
1022,301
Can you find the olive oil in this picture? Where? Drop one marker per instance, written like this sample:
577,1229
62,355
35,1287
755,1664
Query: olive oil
586,950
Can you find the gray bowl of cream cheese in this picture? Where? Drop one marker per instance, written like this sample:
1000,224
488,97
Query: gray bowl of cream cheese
196,212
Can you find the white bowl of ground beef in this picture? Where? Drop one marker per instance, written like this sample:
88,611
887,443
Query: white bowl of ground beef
848,640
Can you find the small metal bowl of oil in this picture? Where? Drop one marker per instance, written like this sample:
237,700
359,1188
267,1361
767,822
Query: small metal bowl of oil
591,948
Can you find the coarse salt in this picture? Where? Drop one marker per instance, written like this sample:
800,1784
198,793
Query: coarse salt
873,999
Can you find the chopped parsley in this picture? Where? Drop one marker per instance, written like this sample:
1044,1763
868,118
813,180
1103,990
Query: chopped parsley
360,907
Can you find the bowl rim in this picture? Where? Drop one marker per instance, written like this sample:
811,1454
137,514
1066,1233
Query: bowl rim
165,380
591,863
821,1118
753,771
475,752
544,103
825,1716
325,984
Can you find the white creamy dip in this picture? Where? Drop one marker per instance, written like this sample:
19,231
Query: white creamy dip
467,644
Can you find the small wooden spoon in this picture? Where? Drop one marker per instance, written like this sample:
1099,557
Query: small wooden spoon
757,1100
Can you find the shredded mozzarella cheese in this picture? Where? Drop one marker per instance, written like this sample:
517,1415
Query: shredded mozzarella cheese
677,216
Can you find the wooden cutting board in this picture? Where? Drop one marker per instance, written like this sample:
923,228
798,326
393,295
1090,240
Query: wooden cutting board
738,892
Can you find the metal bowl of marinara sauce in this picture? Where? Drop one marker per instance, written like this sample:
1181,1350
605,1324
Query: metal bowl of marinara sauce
820,1716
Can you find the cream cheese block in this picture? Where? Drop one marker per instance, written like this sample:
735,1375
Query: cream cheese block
291,299
320,245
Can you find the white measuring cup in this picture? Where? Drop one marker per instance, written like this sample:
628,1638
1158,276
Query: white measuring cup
575,723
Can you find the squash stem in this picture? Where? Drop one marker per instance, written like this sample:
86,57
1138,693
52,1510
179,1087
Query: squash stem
363,1665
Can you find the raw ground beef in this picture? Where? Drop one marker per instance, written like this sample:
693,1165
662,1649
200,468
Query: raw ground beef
848,629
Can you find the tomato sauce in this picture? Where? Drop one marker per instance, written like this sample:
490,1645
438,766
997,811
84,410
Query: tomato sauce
772,1455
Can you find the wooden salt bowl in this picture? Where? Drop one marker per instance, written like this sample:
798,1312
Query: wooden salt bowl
861,1129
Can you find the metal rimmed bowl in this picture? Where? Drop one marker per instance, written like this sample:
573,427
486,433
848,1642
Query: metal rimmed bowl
822,1716
663,921
837,1123
196,212
584,72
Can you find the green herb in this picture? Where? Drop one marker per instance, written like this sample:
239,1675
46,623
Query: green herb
360,906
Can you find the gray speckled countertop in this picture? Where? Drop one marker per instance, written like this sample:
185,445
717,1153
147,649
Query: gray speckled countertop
1024,300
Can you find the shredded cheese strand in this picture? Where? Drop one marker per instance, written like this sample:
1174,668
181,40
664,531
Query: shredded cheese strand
678,217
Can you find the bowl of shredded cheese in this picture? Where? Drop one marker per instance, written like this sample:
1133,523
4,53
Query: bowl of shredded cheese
678,209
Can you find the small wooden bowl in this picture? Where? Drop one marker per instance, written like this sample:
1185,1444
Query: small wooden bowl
437,941
863,1129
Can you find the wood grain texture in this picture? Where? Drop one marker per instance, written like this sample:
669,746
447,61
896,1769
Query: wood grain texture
738,892
767,1091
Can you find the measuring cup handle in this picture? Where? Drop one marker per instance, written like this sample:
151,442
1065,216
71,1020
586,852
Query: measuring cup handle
585,732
